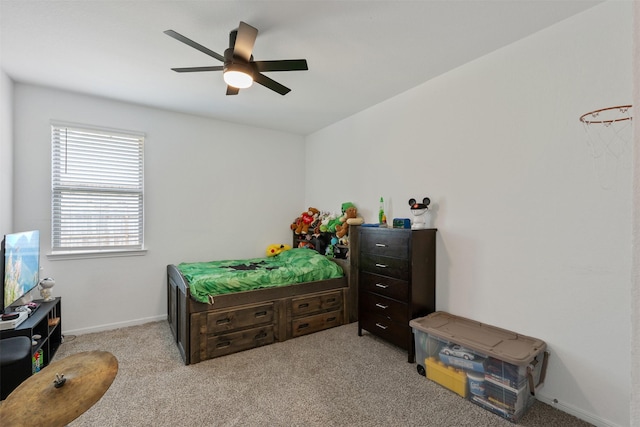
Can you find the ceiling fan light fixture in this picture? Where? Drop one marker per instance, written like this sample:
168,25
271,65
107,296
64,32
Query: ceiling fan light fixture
239,69
238,76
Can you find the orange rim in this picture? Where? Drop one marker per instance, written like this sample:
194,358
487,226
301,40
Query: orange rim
594,114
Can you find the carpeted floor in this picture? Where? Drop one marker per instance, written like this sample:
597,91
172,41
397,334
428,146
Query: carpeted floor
331,378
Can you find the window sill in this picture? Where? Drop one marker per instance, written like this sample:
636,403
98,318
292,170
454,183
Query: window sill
60,256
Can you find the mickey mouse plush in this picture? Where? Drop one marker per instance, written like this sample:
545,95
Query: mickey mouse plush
418,210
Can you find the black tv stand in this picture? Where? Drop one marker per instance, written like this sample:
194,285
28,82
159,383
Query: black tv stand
45,321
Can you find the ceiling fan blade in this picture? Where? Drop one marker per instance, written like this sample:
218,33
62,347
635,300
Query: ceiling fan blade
282,65
270,84
193,69
194,45
232,90
245,40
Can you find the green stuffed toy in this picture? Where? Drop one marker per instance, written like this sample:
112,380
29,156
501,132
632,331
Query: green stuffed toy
349,217
329,222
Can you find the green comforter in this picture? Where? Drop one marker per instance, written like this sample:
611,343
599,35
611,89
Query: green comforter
224,277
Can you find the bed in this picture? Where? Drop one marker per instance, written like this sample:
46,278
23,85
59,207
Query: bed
213,319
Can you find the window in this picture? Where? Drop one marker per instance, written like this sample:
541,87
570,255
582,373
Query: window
97,190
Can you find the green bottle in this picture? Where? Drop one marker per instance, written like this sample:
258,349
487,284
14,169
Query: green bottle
382,218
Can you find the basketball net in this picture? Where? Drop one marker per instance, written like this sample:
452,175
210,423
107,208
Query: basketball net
609,137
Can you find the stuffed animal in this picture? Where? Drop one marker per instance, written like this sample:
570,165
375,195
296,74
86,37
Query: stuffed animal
277,249
306,244
349,217
328,224
318,224
306,220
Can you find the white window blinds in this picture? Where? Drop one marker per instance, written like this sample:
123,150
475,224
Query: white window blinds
97,190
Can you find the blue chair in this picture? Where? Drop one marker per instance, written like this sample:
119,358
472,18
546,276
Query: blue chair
15,363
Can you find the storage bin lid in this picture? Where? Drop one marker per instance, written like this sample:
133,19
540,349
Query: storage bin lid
489,340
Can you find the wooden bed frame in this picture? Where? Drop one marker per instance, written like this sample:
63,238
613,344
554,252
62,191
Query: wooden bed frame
244,320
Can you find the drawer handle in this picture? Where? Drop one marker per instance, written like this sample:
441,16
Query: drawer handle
381,265
331,300
382,285
384,307
304,305
261,314
223,344
381,245
261,335
223,321
381,326
331,319
303,325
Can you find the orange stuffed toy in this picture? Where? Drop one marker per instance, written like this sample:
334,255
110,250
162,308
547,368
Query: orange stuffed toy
302,224
350,217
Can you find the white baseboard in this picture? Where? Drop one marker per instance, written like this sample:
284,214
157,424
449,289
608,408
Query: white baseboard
117,325
576,412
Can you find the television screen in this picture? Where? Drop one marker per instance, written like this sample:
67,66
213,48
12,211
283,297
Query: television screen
21,265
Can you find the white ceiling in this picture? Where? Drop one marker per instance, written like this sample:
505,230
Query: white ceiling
359,52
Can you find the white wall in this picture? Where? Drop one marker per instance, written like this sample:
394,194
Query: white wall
6,152
635,286
529,240
213,190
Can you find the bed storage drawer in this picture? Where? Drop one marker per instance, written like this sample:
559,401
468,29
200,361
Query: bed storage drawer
315,323
232,342
316,303
222,321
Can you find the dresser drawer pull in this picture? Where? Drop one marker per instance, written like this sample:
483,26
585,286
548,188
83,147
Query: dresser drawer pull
260,336
260,314
331,299
381,326
331,319
381,265
382,285
303,325
381,245
223,321
223,344
384,307
304,305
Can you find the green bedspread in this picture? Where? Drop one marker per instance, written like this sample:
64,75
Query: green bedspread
224,277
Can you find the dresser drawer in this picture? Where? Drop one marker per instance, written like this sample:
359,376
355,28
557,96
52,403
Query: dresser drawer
384,242
392,288
382,306
395,333
315,323
315,303
222,321
220,345
385,266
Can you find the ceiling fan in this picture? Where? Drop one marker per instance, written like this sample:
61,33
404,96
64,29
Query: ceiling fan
239,69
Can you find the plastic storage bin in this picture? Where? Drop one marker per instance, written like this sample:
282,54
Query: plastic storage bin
501,369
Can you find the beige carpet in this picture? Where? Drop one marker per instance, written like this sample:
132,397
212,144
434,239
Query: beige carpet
331,378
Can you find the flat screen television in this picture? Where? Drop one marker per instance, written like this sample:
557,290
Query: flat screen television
20,266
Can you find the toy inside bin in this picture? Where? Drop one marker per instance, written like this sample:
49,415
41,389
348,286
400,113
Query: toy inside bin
495,368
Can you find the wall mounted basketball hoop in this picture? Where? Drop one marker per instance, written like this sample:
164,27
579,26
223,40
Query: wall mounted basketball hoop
609,137
607,116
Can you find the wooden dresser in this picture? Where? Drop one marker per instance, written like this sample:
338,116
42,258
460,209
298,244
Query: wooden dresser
396,282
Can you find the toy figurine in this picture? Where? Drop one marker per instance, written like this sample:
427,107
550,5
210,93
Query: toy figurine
419,211
45,288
